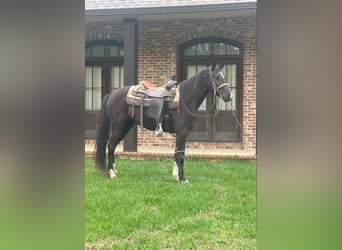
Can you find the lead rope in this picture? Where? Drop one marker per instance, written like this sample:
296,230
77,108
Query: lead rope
239,123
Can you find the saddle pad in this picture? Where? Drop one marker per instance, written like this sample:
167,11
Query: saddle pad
134,97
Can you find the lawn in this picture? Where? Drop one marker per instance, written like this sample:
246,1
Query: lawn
146,209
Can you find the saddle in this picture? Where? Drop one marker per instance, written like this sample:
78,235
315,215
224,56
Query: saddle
158,100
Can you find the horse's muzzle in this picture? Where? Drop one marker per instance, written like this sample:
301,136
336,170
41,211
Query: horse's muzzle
226,97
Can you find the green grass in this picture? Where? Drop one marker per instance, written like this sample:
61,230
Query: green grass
146,209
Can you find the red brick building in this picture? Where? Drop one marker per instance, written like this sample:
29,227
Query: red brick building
128,41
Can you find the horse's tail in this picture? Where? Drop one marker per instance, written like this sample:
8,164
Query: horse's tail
102,136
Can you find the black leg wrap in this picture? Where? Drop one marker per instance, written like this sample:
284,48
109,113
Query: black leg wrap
179,158
110,156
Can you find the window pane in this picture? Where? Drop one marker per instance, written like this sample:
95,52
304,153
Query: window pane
233,102
96,98
98,51
122,76
219,48
116,75
87,52
230,74
221,105
97,76
231,105
113,50
89,77
88,99
203,106
191,51
232,50
93,88
201,67
203,49
121,51
191,71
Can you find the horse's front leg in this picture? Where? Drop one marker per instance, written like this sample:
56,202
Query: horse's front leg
178,168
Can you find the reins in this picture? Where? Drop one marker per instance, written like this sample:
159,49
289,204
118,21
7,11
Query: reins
193,114
215,89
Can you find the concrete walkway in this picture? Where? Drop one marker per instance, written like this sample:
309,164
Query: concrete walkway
189,152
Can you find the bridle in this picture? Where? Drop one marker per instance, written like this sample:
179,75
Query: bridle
214,84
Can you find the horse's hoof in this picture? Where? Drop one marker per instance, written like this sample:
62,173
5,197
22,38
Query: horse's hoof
112,174
184,180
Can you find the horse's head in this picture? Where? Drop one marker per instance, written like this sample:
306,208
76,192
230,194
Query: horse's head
219,83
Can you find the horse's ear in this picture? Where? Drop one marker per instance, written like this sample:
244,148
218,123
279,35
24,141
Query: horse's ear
213,66
221,65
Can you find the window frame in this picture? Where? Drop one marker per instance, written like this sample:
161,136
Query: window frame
184,61
105,62
91,116
106,43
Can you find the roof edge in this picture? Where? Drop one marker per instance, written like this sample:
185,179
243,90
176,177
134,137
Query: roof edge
171,9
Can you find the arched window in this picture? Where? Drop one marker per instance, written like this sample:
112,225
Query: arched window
198,54
104,72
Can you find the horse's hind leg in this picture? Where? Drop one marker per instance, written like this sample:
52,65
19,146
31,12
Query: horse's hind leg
111,164
118,133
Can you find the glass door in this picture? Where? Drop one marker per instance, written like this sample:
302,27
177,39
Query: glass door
222,126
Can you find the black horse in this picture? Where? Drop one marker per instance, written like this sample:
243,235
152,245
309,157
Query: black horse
117,118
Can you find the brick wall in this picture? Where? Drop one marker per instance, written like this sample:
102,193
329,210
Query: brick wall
158,40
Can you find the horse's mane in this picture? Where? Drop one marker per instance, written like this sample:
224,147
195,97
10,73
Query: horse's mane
190,86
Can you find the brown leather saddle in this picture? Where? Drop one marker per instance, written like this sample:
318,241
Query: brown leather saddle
158,101
145,91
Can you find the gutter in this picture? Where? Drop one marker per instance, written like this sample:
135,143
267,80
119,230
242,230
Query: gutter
171,9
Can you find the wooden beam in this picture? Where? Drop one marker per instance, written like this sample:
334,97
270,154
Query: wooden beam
130,72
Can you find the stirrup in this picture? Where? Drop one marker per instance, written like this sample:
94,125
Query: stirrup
159,130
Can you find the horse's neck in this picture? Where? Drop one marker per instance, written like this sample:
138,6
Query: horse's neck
198,92
201,95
